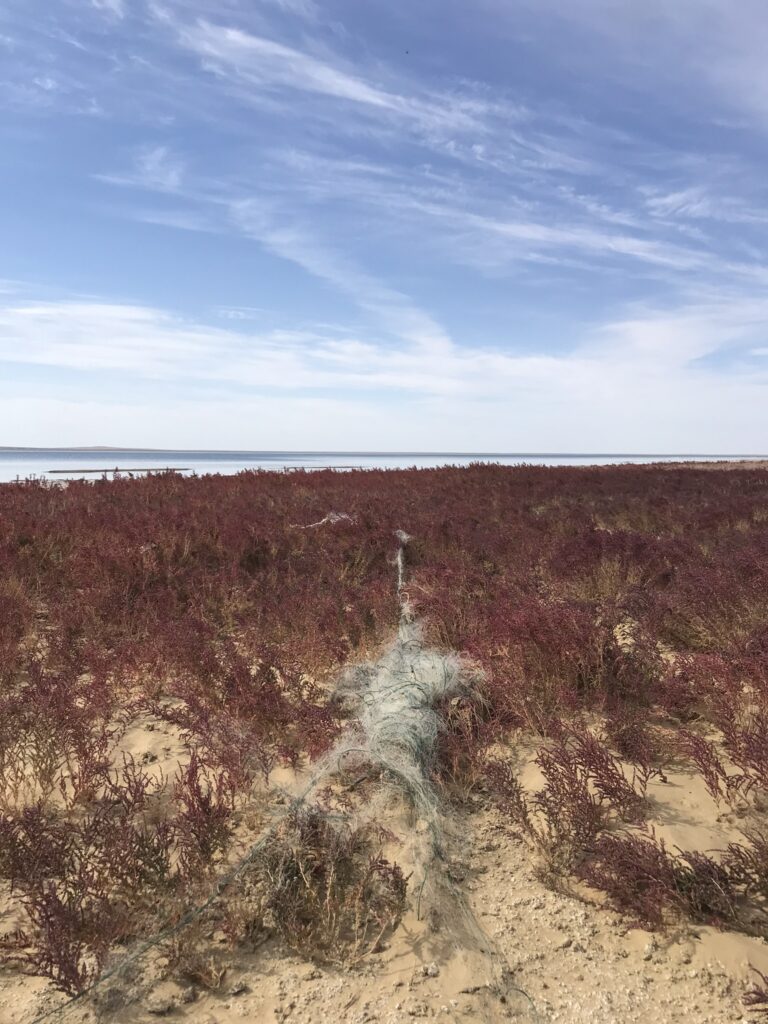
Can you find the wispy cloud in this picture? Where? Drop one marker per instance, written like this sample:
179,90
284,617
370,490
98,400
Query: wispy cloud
182,220
682,48
681,337
553,215
46,83
699,203
156,168
114,7
303,8
151,343
393,310
617,374
95,335
159,168
592,240
462,207
260,63
264,62
453,212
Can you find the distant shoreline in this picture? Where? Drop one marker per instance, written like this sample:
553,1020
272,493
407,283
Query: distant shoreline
101,449
58,464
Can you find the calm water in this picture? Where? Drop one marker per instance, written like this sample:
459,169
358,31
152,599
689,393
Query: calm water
62,464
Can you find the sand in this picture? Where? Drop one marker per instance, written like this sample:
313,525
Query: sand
575,959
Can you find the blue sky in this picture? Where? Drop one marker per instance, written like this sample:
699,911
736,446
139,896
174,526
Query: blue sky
508,225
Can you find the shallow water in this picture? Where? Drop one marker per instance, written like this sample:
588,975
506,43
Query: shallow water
62,463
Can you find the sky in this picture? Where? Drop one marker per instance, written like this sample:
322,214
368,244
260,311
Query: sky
486,225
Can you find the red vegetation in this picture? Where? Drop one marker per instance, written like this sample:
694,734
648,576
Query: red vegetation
202,602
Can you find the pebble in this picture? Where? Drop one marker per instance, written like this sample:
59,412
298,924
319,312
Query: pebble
159,1006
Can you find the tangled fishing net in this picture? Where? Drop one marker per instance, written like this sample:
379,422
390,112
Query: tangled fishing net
317,874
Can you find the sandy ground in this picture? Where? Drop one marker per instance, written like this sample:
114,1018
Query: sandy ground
569,960
576,963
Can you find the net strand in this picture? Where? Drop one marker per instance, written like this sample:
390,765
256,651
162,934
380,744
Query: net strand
395,729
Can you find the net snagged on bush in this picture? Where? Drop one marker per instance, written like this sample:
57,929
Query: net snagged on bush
394,724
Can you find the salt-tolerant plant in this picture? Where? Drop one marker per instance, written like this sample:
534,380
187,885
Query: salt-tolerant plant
644,879
73,928
747,865
200,603
756,996
585,791
204,797
707,760
328,889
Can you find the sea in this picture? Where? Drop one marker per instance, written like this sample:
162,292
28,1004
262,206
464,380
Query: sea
90,463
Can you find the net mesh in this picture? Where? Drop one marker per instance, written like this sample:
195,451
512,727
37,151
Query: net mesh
393,729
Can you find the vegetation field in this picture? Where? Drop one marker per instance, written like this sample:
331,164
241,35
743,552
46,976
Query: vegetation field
257,720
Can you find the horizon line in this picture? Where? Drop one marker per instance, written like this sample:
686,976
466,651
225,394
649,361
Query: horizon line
99,449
